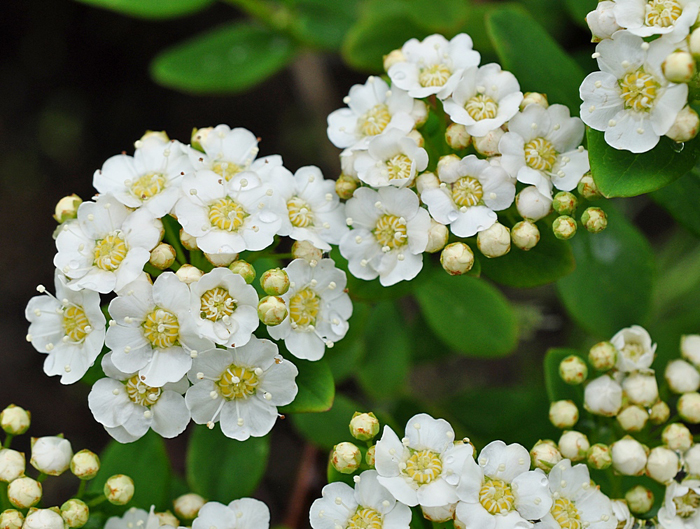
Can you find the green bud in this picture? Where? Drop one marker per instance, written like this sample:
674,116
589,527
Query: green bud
603,356
564,203
67,208
244,269
346,458
275,282
594,220
119,489
364,426
564,227
346,185
639,499
587,187
599,456
272,310
573,370
85,464
75,513
15,420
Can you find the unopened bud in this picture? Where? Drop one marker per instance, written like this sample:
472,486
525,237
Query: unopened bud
599,456
603,396
679,67
364,426
24,492
85,464
199,136
437,237
346,185
457,258
187,506
662,464
659,413
682,377
594,220
534,98
274,282
573,370
15,420
67,208
494,241
677,436
119,489
602,21
167,518
639,499
243,269
564,227
369,457
564,203
441,514
12,464
686,125
346,458
603,356
425,181
417,137
632,418
162,256
691,461
272,310
563,413
221,259
690,348
188,241
75,513
448,168
629,456
159,134
189,274
587,187
392,58
420,113
11,519
689,407
574,445
457,137
44,519
525,235
51,455
532,205
641,388
488,145
307,251
545,454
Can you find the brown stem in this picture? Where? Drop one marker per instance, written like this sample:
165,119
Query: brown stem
305,477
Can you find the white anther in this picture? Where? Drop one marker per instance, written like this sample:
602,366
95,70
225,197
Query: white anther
213,395
200,376
240,421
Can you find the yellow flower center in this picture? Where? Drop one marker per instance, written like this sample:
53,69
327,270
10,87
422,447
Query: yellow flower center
365,518
496,496
390,232
566,514
481,107
662,13
110,252
687,505
374,121
467,191
148,185
75,323
238,382
304,307
300,214
141,394
435,75
227,214
540,154
226,169
638,90
399,167
161,328
216,303
423,466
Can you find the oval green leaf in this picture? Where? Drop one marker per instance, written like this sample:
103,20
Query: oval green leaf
327,429
316,388
321,23
155,9
681,199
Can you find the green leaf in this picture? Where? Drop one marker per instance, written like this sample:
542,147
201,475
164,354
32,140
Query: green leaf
384,372
626,174
612,284
329,428
557,389
534,57
468,314
316,388
321,23
681,199
578,9
146,462
156,9
228,59
344,356
222,469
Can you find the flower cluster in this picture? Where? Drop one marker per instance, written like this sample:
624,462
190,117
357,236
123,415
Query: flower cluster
646,55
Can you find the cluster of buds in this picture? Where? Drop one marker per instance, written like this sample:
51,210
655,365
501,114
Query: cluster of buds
347,457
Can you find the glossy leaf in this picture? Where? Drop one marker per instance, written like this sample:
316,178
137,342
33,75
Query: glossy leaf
578,9
557,389
156,9
219,468
321,23
327,429
228,59
681,199
316,387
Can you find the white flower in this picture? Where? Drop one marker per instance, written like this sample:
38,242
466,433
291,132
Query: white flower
241,388
680,508
434,65
369,505
392,159
314,211
603,396
154,332
134,518
151,178
622,513
225,307
601,21
227,151
246,513
425,467
373,109
389,235
127,407
499,490
635,350
469,195
107,246
69,327
543,147
630,99
51,455
484,99
319,309
657,17
682,377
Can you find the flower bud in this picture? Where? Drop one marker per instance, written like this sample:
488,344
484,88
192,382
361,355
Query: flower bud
417,137
307,251
494,241
67,208
272,310
689,407
85,464
682,377
75,513
641,388
632,418
545,454
12,464
162,256
43,519
679,67
677,436
573,370
15,420
686,125
563,413
420,113
587,187
439,514
488,145
564,227
244,269
11,519
187,506
690,348
534,98
426,181
369,457
662,464
392,58
691,460
199,136
346,458
603,356
188,241
525,235
659,412
51,455
564,203
364,426
639,499
437,237
602,21
599,456
119,489
167,518
274,282
532,205
189,274
573,445
603,396
448,167
221,259
457,137
594,220
346,185
694,43
457,258
629,456
347,162
24,492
